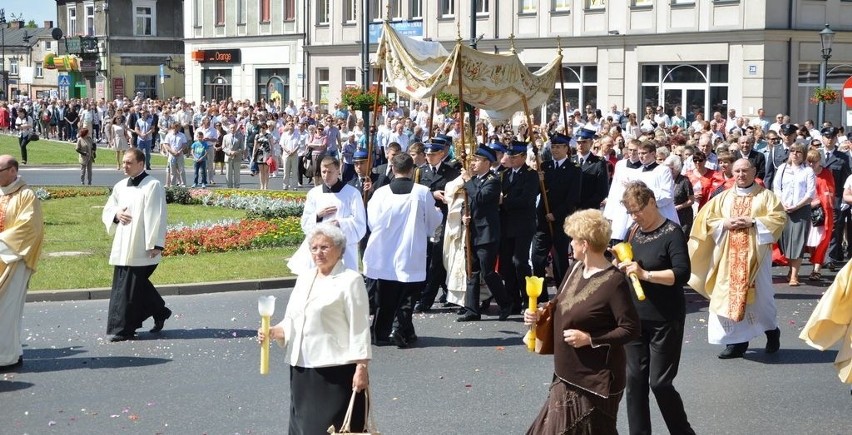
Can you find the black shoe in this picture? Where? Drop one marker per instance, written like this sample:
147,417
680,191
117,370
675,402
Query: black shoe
461,311
485,305
734,351
13,366
773,340
469,317
120,337
397,339
420,308
159,323
504,314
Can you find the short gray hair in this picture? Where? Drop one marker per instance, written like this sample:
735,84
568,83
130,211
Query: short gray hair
673,161
332,232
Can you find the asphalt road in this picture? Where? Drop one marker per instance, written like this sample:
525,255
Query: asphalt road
201,376
70,175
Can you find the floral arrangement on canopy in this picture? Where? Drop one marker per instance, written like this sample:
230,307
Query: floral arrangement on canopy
356,97
825,95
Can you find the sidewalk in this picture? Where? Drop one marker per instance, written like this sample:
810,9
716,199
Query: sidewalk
165,290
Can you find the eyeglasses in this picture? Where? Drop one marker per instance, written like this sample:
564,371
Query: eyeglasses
637,211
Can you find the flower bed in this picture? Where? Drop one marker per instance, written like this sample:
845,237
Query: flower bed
59,192
232,236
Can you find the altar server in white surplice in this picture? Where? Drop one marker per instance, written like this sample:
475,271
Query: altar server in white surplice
336,203
402,216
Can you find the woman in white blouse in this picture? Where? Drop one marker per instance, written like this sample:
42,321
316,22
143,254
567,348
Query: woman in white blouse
326,335
795,186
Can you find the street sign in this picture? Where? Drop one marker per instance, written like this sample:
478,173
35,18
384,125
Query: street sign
847,92
64,80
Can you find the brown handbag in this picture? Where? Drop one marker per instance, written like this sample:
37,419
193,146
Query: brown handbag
544,329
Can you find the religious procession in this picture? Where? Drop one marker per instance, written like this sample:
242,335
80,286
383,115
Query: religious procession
589,227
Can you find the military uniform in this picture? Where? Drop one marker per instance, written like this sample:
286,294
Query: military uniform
595,181
517,227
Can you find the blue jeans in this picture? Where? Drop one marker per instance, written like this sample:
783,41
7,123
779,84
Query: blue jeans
200,167
145,146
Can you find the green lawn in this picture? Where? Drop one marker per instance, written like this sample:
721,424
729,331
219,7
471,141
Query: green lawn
74,224
49,152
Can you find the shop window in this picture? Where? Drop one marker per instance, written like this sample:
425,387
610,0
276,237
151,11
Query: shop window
322,88
273,84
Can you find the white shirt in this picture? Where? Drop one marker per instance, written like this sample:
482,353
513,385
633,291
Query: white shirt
400,226
793,184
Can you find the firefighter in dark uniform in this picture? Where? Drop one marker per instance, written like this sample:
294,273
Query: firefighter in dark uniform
483,222
517,222
563,181
435,175
595,176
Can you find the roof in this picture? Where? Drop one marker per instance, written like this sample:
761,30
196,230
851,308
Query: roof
15,37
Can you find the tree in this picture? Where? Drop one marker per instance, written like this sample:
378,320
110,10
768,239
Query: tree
31,24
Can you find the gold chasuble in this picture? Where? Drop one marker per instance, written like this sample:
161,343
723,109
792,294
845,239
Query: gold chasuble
725,274
21,226
831,322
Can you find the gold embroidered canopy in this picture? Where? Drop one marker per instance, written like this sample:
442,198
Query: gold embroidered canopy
494,83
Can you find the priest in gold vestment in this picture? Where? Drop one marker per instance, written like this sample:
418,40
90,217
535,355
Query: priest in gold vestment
21,234
730,248
831,322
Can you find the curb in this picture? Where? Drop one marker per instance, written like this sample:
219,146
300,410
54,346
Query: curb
164,290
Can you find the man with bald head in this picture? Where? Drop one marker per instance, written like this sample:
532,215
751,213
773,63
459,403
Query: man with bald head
21,234
730,248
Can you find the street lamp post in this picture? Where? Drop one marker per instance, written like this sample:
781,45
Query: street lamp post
3,43
826,38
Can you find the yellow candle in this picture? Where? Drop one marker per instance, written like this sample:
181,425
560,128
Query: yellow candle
534,288
264,347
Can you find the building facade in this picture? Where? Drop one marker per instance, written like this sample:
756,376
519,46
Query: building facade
22,51
139,47
701,55
244,49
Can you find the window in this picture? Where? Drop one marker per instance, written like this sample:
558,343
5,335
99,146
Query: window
13,65
350,78
322,88
72,20
350,12
322,11
597,4
216,84
808,81
145,17
695,88
448,8
416,8
196,12
481,7
528,6
561,5
395,8
220,12
683,2
273,84
90,19
377,11
39,70
146,85
265,12
581,89
241,12
289,10
643,3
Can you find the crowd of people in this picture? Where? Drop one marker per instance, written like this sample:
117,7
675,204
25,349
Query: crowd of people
710,202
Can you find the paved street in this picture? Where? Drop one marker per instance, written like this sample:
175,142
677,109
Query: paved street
70,176
201,376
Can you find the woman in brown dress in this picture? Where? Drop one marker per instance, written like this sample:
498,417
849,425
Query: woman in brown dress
593,318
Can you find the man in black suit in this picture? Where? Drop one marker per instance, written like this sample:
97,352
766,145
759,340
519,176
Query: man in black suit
595,176
435,175
838,163
563,181
483,222
132,117
758,160
384,170
778,152
517,222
